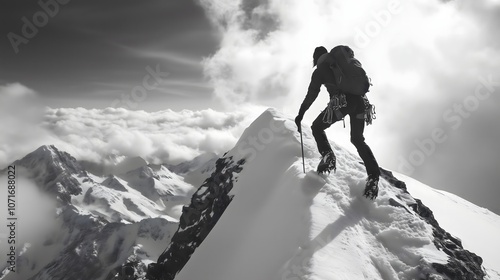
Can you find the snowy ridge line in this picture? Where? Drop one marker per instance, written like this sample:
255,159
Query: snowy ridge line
462,264
197,220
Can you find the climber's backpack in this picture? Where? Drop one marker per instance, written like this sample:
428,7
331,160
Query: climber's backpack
349,75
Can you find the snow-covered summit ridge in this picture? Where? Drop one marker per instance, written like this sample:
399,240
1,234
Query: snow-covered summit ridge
284,224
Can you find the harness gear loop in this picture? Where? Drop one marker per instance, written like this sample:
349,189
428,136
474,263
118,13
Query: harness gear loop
369,111
332,110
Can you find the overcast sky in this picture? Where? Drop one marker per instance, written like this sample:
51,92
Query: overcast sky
434,67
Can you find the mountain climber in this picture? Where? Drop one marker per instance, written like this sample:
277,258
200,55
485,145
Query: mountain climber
341,104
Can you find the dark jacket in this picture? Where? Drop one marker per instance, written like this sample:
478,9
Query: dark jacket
322,75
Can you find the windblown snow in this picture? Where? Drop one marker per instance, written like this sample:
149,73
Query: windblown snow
281,224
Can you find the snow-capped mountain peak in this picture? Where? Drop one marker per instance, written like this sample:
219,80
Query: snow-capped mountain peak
55,171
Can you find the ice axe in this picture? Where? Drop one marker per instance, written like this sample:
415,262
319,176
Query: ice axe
302,146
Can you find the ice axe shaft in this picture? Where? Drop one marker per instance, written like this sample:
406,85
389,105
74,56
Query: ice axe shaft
302,146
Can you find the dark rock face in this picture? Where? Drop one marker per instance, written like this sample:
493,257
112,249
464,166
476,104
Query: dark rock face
197,220
54,171
462,264
113,183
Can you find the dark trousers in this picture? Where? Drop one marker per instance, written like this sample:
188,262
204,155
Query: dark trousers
355,109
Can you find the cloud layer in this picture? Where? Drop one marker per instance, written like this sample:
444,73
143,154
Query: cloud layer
102,135
159,137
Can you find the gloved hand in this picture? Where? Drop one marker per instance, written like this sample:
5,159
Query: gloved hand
298,119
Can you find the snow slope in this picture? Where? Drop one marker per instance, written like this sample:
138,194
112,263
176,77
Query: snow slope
284,224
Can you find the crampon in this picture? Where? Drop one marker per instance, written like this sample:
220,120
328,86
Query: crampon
371,189
327,163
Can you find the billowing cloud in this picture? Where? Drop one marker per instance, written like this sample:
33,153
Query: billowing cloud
20,116
417,53
159,137
101,135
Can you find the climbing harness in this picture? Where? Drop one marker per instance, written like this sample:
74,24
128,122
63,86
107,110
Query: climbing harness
338,101
333,109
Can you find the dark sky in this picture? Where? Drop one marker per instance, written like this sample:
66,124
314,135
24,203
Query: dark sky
94,50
